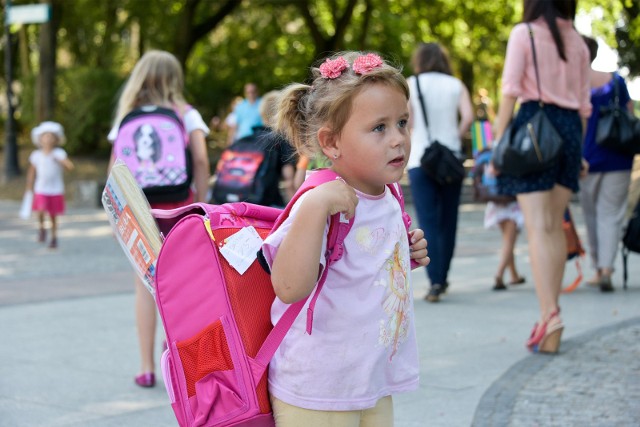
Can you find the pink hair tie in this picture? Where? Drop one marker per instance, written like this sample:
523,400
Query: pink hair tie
332,69
365,63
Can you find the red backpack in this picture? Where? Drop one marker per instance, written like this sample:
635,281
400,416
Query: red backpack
217,320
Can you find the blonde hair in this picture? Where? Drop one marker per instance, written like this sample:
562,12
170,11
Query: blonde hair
156,79
304,109
269,107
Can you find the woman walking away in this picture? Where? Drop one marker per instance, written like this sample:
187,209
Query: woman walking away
604,191
445,98
563,76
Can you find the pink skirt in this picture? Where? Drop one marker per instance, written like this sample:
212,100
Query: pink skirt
54,205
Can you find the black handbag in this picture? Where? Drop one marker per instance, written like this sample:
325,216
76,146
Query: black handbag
618,129
534,146
437,161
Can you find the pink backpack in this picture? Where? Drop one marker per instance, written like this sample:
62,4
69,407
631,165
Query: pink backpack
152,142
217,321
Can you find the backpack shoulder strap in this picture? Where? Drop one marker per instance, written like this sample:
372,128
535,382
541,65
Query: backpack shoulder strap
338,230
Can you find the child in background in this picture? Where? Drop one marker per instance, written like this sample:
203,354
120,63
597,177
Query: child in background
45,176
363,346
157,79
502,212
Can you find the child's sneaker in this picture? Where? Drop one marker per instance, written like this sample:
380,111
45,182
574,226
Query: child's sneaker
42,235
54,243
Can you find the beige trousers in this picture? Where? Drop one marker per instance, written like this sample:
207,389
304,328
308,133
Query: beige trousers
287,415
603,197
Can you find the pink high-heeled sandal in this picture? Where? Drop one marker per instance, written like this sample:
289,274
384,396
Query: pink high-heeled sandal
545,337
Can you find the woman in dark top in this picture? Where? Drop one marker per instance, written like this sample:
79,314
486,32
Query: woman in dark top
604,191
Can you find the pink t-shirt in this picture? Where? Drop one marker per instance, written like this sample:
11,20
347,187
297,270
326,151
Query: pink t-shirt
363,344
565,84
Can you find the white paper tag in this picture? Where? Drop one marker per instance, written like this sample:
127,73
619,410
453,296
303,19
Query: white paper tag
241,248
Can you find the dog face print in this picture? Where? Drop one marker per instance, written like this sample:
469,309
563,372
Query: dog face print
147,144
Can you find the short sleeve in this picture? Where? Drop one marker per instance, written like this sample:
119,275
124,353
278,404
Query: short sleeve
113,133
515,61
33,157
59,154
193,121
624,90
585,87
272,242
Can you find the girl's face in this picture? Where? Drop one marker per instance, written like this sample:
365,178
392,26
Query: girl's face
48,140
374,145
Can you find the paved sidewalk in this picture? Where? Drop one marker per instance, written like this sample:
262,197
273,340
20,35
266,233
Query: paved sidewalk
70,348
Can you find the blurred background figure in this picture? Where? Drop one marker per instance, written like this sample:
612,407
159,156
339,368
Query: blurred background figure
501,212
45,177
157,80
561,81
230,122
247,112
605,189
449,113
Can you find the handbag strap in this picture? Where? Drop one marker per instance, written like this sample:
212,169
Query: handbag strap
535,64
616,91
424,108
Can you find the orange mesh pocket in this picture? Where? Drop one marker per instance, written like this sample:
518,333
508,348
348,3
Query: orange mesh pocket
203,354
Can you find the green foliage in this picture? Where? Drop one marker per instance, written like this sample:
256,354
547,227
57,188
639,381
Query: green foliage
87,98
271,43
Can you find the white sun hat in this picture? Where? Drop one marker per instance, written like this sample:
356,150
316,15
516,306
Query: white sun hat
44,127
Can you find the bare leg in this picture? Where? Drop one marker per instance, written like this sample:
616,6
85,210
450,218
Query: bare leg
146,323
509,233
42,234
543,213
54,227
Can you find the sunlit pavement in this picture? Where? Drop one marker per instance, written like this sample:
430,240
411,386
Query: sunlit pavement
70,349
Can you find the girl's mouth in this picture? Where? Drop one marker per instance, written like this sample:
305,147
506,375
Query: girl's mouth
398,161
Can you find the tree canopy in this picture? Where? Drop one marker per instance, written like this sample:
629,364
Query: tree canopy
224,44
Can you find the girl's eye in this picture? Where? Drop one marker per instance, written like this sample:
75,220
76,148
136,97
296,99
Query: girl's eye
403,123
379,128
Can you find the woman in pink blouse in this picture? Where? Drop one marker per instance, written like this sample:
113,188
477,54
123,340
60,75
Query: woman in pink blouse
563,65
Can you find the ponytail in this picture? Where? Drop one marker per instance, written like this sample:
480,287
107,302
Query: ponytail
291,119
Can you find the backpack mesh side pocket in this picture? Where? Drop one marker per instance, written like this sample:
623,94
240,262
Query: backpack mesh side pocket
203,354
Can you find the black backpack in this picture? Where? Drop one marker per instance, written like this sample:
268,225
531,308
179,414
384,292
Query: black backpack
631,239
249,171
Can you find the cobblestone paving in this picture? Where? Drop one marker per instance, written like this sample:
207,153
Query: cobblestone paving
595,381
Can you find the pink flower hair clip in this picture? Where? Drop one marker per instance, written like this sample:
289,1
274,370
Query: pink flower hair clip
332,69
365,63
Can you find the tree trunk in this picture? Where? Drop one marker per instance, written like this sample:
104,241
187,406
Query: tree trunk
45,102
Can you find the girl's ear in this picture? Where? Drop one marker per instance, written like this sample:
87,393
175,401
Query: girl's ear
327,140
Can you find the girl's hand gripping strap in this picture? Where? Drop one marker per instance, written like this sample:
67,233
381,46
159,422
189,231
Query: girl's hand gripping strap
338,230
396,190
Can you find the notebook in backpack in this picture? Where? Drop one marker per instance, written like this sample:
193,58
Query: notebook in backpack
217,321
152,142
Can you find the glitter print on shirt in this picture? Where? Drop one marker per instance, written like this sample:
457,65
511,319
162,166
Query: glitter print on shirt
396,304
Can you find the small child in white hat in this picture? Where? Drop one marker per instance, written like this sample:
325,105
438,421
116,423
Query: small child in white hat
45,176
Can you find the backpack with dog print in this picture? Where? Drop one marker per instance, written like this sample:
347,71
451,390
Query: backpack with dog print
153,143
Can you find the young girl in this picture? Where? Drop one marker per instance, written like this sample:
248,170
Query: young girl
45,176
502,212
362,348
157,80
